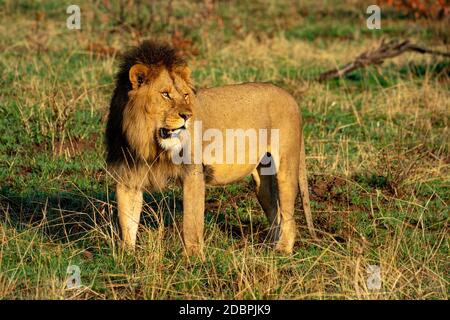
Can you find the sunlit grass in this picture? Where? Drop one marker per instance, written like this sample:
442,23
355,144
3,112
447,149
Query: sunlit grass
377,146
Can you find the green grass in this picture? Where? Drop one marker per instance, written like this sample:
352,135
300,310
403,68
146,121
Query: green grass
377,145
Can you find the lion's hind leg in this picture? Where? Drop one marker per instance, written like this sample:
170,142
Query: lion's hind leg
267,194
277,194
287,194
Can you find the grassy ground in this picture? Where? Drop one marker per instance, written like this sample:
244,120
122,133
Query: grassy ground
377,152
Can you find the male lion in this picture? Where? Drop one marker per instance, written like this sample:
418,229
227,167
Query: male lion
150,123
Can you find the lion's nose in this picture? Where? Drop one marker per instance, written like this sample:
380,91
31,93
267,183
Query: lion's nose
185,115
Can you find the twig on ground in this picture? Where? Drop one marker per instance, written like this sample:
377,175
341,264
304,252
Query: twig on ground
386,50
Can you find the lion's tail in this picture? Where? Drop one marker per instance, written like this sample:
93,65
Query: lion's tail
303,184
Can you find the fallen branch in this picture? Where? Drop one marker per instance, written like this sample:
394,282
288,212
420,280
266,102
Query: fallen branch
386,50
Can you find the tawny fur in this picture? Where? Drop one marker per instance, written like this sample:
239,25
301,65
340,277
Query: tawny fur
138,157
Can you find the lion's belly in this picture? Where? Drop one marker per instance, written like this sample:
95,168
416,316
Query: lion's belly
220,174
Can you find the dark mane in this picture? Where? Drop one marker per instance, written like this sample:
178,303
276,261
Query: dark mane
149,53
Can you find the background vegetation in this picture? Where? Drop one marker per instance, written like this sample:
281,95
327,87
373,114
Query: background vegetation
377,152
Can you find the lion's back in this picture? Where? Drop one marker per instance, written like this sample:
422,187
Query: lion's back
246,105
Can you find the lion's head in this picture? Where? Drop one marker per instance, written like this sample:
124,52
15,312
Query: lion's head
152,105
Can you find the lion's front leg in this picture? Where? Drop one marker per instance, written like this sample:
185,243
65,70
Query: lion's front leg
129,204
193,211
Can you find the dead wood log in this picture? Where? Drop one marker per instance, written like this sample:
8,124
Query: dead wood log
386,50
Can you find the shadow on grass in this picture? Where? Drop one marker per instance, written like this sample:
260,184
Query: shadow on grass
66,217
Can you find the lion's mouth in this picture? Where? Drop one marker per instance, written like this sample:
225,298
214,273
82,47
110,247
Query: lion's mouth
166,133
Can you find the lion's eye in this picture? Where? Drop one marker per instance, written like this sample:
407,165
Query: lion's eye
165,94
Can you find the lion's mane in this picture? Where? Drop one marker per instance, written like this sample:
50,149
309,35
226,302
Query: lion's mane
119,150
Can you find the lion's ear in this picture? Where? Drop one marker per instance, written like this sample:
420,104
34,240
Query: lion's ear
138,74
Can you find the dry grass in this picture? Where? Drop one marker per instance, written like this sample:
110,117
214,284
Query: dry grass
377,153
